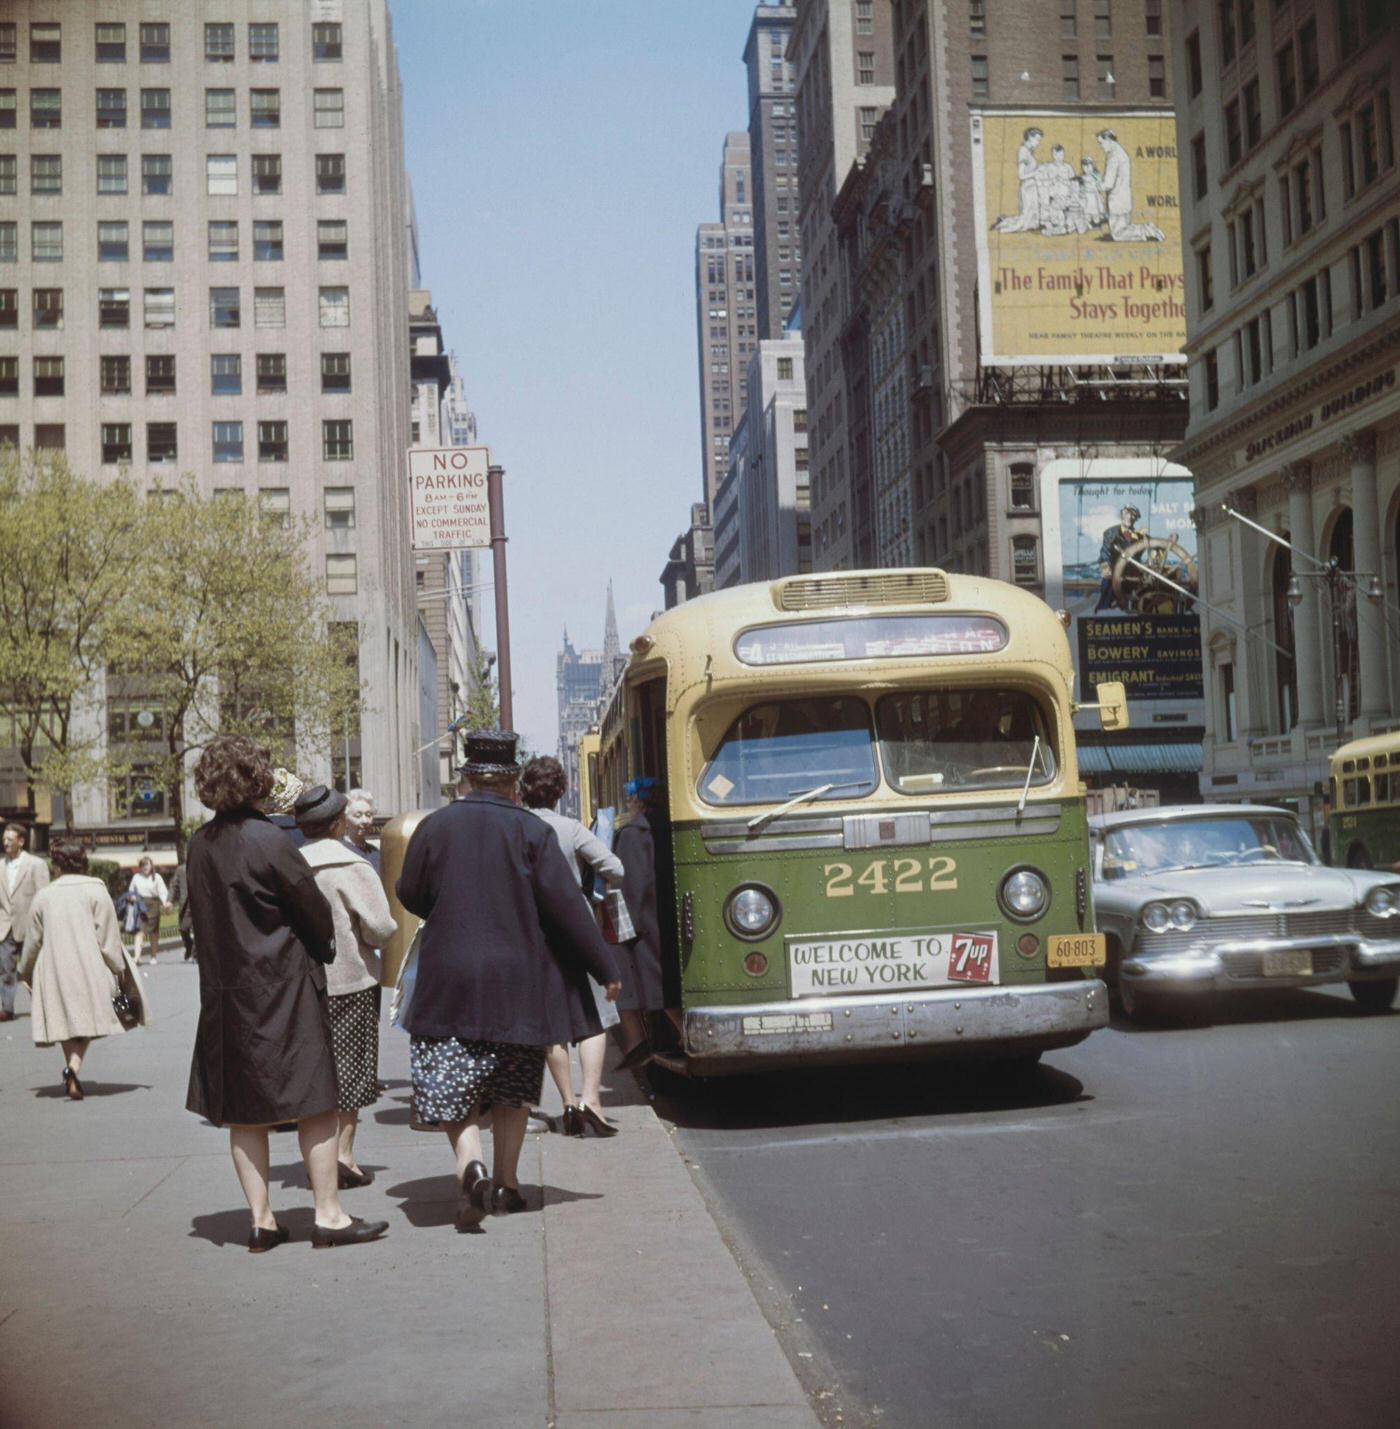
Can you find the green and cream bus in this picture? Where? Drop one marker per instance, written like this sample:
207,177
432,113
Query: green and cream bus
1364,826
874,838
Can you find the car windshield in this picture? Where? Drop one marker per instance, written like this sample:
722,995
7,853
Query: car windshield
782,748
963,738
1136,850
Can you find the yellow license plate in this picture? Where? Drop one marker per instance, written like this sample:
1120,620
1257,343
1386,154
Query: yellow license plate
1076,950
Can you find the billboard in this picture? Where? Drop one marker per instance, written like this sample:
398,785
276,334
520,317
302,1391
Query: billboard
1078,238
447,492
1099,517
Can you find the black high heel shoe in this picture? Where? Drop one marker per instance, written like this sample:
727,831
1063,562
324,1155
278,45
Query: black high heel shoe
260,1240
475,1200
506,1201
572,1123
594,1121
358,1232
72,1085
347,1180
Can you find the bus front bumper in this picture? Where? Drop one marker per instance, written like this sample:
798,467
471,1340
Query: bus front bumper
987,1021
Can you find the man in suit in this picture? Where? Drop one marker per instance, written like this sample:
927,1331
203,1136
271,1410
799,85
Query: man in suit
21,877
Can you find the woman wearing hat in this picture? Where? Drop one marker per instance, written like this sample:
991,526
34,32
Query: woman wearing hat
363,921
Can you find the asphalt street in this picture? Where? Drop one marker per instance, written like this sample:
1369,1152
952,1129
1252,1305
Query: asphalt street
1158,1227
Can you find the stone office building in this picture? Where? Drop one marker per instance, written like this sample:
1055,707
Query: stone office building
1291,197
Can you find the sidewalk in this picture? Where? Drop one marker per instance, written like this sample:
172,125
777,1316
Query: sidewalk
127,1297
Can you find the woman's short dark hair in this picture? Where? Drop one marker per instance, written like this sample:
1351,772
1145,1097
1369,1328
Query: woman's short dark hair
232,773
542,783
68,856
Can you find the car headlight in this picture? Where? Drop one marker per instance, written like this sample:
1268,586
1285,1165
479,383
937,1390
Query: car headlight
1381,902
751,911
1025,894
1156,918
1183,915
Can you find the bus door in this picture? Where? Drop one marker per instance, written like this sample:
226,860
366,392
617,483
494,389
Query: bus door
649,758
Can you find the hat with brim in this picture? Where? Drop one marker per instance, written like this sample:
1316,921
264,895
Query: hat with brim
491,751
319,805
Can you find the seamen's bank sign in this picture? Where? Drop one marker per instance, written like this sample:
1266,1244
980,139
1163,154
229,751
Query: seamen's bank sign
448,497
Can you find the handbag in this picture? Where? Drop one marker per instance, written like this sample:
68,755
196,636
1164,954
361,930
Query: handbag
614,918
128,1014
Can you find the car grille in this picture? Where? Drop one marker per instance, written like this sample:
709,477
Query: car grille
1251,965
1256,927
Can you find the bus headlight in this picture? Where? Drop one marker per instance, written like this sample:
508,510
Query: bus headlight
751,911
1382,903
1156,918
1183,915
1024,894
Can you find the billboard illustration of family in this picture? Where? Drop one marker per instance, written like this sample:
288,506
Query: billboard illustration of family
1078,238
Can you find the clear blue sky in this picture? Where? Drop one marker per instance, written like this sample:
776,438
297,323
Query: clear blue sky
562,153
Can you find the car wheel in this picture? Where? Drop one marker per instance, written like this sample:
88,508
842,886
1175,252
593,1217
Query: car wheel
1375,996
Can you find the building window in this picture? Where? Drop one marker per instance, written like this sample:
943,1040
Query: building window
272,372
326,42
161,447
46,109
114,307
785,369
1229,42
1360,21
1225,686
328,106
332,239
9,174
337,440
868,119
220,109
275,505
330,173
45,43
48,308
155,109
263,43
1369,286
1253,115
49,436
8,102
1287,74
977,19
865,17
221,175
225,374
111,109
1152,17
115,376
1156,77
159,307
335,372
981,87
228,441
269,307
155,43
218,43
160,375
9,377
223,240
1195,79
158,241
335,307
116,443
339,507
1205,279
1309,73
111,174
1212,375
156,173
267,240
46,173
340,575
1025,560
1103,19
224,308
113,245
111,44
9,243
267,174
1234,134
46,242
265,108
1069,19
48,377
1368,146
272,441
1023,487
1108,85
8,43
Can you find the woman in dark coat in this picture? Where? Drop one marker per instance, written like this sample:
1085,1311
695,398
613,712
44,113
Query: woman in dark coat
502,965
262,1054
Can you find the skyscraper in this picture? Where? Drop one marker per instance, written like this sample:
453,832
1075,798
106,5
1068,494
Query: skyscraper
726,308
773,156
584,681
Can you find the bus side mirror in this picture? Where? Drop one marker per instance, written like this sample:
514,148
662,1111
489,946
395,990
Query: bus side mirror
1112,705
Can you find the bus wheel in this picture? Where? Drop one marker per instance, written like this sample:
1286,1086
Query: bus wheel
1358,857
1375,996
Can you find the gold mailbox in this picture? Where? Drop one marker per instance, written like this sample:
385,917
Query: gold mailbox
393,844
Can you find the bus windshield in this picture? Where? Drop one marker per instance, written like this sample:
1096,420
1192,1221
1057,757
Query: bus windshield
963,738
782,748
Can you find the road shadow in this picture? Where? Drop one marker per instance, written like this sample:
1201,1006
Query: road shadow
230,1228
58,1092
432,1200
1250,1006
826,1096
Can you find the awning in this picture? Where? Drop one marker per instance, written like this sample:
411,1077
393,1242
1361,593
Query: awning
1163,758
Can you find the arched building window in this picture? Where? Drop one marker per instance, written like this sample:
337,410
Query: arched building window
1348,656
1285,665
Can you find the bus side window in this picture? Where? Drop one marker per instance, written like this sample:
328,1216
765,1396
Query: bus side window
1381,783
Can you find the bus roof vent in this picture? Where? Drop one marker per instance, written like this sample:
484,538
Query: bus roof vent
883,588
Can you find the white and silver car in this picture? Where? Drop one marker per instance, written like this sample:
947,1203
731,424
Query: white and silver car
1202,899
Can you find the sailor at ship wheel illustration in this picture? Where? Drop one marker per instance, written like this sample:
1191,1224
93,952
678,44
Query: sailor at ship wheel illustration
1123,586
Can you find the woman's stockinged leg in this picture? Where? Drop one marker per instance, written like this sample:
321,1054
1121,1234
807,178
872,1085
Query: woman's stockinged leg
591,1052
508,1125
74,1049
465,1139
347,1124
556,1058
250,1160
319,1138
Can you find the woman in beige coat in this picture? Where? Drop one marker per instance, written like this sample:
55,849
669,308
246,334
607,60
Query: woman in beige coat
73,962
360,910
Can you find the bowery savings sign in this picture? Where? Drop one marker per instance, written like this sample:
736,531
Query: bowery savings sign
447,493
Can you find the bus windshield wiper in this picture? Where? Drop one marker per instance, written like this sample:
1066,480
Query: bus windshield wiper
1030,772
802,798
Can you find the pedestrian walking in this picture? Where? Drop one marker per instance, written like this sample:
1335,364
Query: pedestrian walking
180,901
359,820
147,885
363,921
644,989
542,785
81,979
21,878
262,1054
502,965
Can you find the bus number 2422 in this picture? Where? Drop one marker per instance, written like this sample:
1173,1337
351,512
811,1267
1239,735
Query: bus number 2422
900,875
